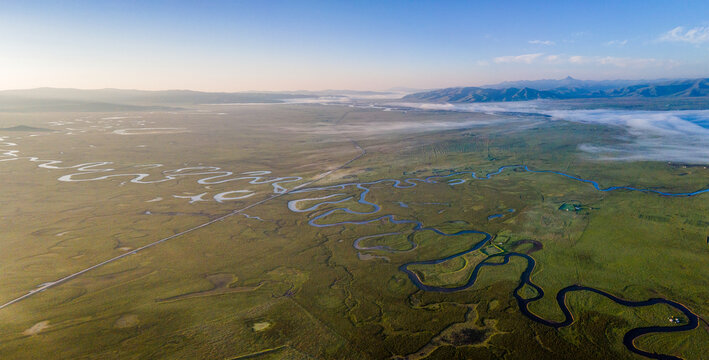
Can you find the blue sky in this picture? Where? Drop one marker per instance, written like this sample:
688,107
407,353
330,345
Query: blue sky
289,45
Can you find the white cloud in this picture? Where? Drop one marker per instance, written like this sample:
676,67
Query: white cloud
621,62
578,59
525,59
541,42
625,62
696,35
616,43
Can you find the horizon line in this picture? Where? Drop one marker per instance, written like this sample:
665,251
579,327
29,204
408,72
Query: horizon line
388,90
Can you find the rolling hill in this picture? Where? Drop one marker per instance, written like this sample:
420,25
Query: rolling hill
674,88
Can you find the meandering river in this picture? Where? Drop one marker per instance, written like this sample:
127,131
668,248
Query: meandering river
341,196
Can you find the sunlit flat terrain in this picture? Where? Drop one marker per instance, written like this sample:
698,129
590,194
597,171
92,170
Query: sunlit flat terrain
335,230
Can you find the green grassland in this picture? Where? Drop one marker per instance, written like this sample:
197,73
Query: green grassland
202,294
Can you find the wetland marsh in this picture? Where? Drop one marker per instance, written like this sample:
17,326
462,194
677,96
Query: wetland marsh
364,232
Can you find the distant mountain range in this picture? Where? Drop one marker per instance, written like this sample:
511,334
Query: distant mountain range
568,88
56,99
569,82
59,99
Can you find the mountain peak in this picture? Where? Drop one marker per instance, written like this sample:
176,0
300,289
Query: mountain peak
569,78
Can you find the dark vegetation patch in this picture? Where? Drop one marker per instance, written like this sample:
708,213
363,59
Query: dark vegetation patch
536,245
662,219
468,336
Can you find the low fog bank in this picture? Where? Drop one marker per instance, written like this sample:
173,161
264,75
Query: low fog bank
678,136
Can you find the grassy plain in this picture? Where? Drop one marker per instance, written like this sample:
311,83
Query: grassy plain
208,293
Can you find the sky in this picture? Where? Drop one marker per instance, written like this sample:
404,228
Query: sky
361,45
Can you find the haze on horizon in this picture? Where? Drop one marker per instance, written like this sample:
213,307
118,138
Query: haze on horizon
368,45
